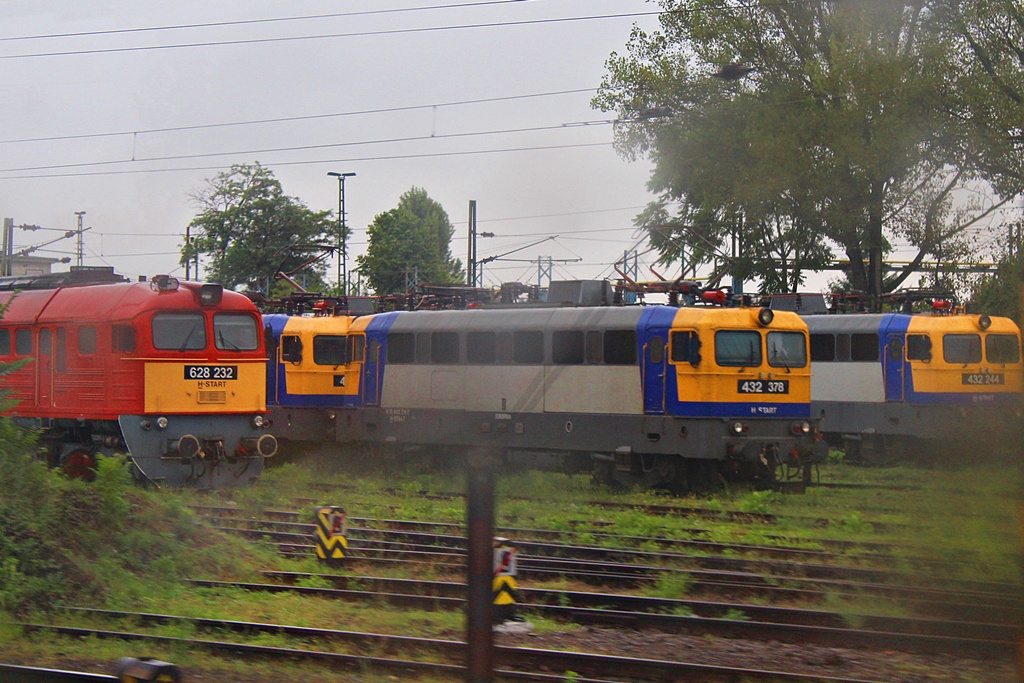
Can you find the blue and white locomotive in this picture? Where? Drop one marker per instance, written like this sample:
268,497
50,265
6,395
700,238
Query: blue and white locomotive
889,385
651,396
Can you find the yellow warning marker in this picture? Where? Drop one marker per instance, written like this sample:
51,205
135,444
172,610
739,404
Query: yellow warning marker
331,529
504,587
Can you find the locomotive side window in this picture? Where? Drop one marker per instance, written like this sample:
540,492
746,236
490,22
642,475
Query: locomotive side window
1002,348
122,338
864,347
787,349
528,348
961,348
656,350
740,348
919,347
356,348
23,342
401,347
444,347
842,347
823,348
44,342
422,347
567,348
235,332
62,349
86,340
481,348
5,342
505,348
896,350
685,348
329,349
620,347
593,347
179,331
291,348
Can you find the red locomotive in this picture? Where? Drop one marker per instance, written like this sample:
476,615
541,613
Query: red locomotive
171,373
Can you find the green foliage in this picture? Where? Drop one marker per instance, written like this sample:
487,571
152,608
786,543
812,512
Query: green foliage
671,585
759,502
853,125
1000,294
248,230
413,238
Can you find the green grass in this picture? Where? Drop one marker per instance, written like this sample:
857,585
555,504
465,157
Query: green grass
122,547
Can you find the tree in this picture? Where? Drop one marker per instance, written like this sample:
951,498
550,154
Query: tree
413,238
249,230
794,126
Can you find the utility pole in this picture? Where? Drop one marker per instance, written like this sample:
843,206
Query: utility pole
8,246
81,246
471,257
342,229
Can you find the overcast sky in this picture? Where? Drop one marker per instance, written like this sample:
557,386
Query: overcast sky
125,109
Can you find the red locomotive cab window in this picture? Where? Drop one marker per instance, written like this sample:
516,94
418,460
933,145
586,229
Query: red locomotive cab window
62,350
44,342
5,342
122,338
235,332
87,340
23,342
179,331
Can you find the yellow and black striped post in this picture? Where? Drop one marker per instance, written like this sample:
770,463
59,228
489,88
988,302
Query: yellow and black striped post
504,588
331,528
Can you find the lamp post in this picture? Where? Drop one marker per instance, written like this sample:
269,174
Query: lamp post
342,253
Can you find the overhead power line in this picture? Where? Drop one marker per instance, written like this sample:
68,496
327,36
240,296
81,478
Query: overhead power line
308,117
298,148
251,22
313,161
322,36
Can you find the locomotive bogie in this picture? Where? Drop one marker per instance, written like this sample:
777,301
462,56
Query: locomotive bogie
197,451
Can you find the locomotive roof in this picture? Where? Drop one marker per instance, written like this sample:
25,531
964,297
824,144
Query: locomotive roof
578,318
105,302
919,322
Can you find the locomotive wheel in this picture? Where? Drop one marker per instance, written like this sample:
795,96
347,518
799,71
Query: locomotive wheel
673,473
79,464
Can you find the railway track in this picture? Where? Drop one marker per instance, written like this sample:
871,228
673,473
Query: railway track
758,622
514,663
370,542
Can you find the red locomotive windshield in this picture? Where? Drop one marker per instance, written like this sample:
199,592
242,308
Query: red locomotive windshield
235,332
179,331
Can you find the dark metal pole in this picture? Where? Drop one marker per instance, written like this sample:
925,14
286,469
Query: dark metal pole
471,259
342,229
480,609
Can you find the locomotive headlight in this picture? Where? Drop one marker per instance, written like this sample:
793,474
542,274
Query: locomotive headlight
737,427
161,422
210,294
984,322
765,316
257,421
802,427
